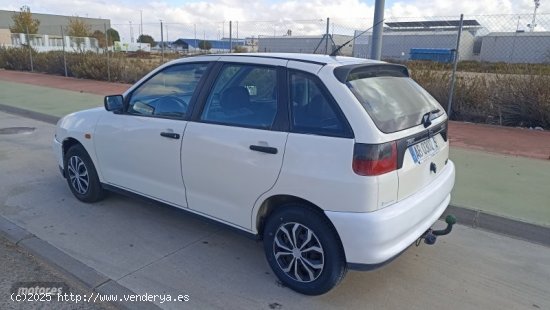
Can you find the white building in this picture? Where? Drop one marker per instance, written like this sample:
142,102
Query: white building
398,45
305,44
516,47
46,43
400,37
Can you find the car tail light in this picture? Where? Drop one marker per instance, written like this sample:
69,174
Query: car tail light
374,159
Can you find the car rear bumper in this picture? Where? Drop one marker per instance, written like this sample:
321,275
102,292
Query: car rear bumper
372,239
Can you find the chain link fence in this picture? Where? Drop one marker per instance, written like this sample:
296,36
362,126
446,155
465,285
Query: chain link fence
502,59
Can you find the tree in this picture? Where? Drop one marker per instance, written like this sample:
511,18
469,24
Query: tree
205,45
100,36
113,36
78,27
23,21
145,38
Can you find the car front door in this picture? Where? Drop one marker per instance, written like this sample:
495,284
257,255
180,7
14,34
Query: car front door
139,150
234,146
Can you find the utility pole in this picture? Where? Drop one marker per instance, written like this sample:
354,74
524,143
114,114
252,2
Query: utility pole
378,29
140,22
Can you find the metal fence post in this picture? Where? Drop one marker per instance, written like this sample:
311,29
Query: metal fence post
107,52
452,87
64,56
230,35
326,36
30,48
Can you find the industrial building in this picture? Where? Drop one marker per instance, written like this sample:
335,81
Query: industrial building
49,36
305,44
516,47
51,24
402,37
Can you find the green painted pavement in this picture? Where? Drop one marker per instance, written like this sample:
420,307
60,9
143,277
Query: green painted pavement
514,187
46,100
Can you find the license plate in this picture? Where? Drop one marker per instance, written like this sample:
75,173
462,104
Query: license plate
423,150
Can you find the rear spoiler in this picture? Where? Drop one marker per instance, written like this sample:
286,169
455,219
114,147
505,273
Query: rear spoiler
360,71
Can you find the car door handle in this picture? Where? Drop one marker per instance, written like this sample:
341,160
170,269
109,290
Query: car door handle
171,135
264,149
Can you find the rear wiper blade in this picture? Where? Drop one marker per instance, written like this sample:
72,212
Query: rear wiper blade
427,118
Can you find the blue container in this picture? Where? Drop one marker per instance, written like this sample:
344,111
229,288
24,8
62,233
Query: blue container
433,54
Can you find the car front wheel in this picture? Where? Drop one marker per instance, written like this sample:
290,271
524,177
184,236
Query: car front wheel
81,175
303,249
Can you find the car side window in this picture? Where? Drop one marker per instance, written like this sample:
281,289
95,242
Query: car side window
168,93
311,108
243,95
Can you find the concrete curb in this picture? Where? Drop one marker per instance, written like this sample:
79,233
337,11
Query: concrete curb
500,225
74,269
29,114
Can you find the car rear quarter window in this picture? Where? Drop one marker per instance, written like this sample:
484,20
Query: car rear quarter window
313,110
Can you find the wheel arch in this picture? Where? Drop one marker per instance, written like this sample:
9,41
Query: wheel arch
70,141
273,202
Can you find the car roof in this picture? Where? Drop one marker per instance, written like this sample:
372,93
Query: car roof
310,58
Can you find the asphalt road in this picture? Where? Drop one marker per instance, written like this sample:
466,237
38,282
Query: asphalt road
159,250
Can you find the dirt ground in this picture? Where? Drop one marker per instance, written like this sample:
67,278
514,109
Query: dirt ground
489,138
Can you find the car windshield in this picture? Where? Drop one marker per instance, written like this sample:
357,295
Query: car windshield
394,103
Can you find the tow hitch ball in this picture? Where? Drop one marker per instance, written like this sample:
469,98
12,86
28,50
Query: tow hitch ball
430,236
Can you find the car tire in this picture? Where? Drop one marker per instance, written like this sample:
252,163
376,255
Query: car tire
291,230
81,175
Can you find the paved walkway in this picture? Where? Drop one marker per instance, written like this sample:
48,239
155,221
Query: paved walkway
500,170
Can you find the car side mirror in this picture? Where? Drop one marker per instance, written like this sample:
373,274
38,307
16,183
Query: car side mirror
114,103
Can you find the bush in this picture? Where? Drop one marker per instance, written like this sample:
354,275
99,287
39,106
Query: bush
523,100
16,58
85,65
516,95
495,93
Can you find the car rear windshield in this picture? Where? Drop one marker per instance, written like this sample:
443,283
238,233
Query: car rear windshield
394,101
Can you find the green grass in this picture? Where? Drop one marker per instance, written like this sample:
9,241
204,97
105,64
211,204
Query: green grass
46,100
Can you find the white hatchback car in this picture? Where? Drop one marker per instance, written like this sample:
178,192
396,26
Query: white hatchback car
335,162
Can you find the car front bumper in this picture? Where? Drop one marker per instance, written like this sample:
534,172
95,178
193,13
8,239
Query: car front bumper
372,239
58,153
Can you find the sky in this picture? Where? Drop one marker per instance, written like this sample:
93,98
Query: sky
210,18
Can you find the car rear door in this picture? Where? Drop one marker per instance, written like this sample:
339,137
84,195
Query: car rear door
233,147
139,150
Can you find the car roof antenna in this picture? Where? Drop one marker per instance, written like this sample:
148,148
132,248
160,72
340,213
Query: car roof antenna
335,52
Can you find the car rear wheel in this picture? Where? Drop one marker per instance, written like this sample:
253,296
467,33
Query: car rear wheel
303,249
81,175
